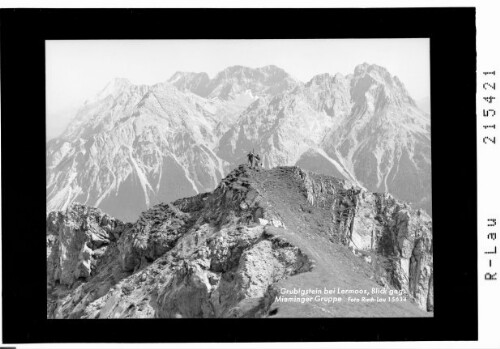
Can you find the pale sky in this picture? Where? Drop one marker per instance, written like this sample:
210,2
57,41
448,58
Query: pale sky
78,69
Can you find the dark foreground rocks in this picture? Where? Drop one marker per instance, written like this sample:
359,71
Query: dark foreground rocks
226,253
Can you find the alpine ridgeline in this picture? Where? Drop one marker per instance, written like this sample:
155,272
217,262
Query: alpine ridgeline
132,146
231,253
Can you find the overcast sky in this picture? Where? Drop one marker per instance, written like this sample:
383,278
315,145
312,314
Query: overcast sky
76,70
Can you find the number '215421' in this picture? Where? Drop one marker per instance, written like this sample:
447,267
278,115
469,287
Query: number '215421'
488,112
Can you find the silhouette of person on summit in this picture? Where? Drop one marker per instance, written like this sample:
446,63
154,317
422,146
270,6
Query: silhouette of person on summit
257,161
250,158
354,196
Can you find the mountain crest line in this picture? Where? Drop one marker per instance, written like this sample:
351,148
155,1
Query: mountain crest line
134,146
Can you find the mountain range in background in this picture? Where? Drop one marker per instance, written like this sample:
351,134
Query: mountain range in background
133,146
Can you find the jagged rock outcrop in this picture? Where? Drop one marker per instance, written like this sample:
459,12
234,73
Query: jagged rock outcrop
75,241
224,253
376,222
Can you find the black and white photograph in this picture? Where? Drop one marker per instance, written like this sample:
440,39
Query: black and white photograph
239,178
269,175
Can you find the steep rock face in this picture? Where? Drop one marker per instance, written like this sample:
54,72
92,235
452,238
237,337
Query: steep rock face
231,275
330,94
76,240
378,223
385,141
281,128
224,253
132,149
232,90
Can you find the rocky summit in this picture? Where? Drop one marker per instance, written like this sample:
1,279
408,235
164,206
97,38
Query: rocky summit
134,146
239,250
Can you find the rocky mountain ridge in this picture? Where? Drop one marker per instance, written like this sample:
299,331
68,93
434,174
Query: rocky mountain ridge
228,252
232,81
134,146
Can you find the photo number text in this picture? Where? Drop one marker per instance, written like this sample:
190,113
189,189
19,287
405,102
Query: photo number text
488,89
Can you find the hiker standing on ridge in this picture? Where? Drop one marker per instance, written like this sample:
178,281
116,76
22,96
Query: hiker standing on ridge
257,161
250,158
354,197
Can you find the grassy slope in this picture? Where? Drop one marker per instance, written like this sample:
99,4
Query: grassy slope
336,265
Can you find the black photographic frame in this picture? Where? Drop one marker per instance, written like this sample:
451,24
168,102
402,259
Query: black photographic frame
452,34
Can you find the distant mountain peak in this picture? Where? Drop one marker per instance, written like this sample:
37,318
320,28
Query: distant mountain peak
377,73
242,71
271,67
114,87
118,83
121,80
185,75
368,68
234,81
324,79
366,76
232,71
